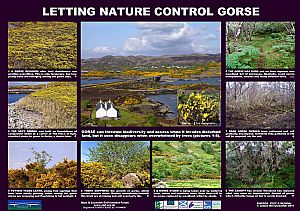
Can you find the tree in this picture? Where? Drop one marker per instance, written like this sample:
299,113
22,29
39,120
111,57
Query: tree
120,157
235,28
253,162
41,158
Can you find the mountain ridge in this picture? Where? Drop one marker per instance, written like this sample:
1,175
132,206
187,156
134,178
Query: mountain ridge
110,61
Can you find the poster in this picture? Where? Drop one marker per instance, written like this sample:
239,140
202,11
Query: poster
136,105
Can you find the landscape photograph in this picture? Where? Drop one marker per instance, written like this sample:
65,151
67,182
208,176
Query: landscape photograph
42,105
131,71
115,164
260,164
260,105
260,45
42,45
186,164
42,164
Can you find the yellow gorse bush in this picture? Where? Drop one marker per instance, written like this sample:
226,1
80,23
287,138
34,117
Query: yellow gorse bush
42,45
199,109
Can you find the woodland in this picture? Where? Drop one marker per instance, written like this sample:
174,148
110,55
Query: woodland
35,174
260,164
119,164
42,45
186,164
252,45
260,105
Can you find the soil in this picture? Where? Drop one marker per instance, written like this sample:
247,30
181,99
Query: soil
261,119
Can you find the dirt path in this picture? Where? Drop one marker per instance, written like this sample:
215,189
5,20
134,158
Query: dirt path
261,59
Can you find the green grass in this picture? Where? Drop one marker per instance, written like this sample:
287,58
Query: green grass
195,183
187,163
128,118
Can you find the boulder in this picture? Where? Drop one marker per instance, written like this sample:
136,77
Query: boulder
132,180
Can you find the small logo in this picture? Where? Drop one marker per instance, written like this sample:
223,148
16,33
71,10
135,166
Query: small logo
208,205
159,205
195,205
171,204
216,205
183,204
24,205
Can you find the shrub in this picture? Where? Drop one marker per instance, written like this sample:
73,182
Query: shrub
198,109
94,175
243,59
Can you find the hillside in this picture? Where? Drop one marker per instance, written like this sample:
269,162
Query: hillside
187,164
57,103
118,63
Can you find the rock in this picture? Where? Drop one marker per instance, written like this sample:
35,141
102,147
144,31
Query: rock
132,180
160,184
163,109
23,119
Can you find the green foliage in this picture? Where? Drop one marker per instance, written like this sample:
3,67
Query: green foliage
182,149
197,108
120,157
42,45
207,147
84,104
110,161
41,158
182,167
260,164
243,59
152,120
275,42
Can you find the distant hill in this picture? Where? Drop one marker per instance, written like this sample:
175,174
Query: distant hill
121,62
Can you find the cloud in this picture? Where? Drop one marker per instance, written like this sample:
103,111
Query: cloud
163,38
103,49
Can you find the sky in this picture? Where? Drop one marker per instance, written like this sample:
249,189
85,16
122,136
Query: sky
85,145
20,152
99,39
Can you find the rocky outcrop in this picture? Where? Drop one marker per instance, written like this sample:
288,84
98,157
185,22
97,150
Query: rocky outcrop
132,180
